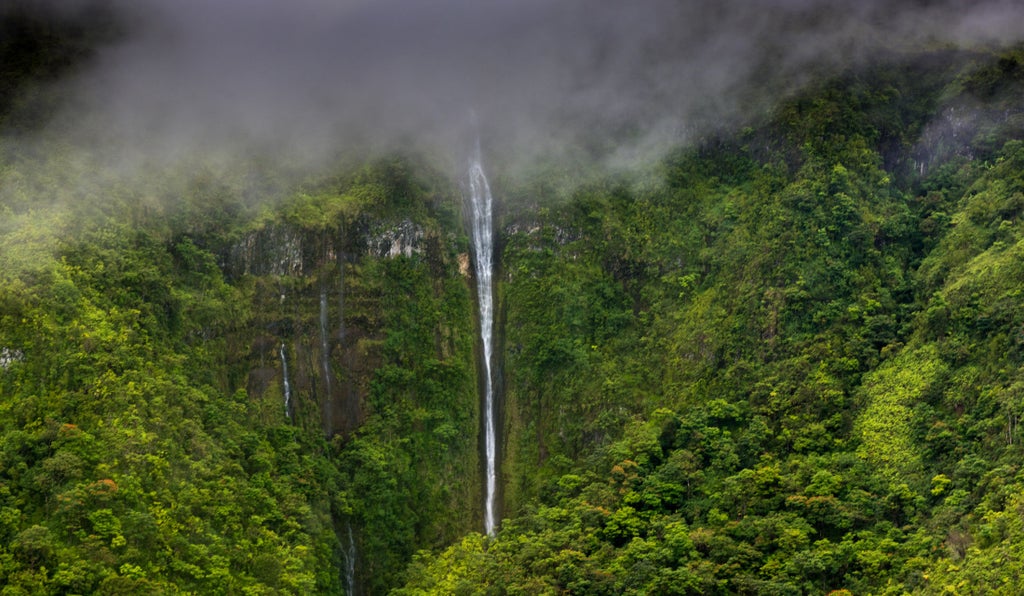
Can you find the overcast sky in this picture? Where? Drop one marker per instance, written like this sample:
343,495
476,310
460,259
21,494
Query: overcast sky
300,78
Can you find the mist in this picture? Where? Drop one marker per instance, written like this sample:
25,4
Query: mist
300,82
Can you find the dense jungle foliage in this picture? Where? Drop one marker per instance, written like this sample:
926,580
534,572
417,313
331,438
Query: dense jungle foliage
793,365
786,359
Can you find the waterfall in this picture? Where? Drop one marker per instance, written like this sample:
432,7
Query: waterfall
341,300
483,245
287,385
350,563
325,361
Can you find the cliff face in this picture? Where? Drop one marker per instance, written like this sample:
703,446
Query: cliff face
315,305
362,329
285,402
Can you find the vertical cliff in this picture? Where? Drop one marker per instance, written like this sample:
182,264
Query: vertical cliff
358,283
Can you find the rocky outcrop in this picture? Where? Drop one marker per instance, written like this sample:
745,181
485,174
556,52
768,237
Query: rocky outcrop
9,356
273,250
391,240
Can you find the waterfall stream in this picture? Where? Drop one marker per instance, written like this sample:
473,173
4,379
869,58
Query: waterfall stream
325,360
350,563
287,384
326,407
483,245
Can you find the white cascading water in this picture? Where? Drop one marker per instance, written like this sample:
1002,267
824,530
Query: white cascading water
483,244
325,360
350,563
287,385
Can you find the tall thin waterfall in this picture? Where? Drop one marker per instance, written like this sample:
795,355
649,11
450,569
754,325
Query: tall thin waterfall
287,384
483,245
350,563
326,365
325,360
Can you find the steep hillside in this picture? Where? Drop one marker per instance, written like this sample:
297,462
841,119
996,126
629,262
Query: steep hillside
790,365
177,419
783,359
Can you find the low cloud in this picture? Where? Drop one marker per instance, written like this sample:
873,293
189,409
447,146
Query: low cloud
300,81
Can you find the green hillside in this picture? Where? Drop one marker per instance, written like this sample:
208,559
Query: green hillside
791,365
786,358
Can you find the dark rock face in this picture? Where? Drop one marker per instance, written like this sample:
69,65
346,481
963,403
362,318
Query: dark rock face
274,250
404,238
300,297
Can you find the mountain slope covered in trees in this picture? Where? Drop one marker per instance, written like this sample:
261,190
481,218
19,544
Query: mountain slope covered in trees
813,328
787,358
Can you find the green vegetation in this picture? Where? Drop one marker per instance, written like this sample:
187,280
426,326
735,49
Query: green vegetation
793,366
791,362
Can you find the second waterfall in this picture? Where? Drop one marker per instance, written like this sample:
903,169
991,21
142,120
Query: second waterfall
483,246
